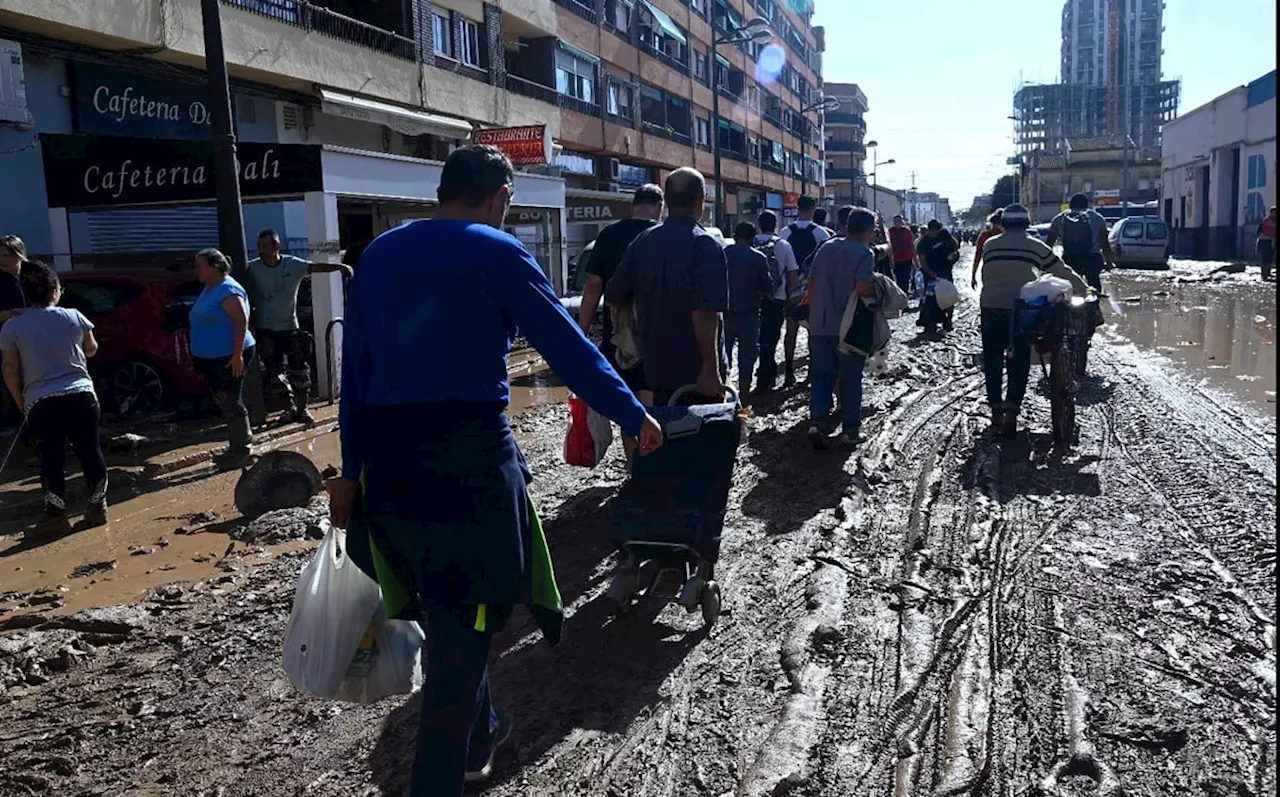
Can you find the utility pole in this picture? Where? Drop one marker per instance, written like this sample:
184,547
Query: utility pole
1124,177
911,198
226,174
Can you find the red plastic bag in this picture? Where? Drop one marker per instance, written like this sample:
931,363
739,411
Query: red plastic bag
588,437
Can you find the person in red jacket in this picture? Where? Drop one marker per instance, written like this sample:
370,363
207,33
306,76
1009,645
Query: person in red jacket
1267,243
902,243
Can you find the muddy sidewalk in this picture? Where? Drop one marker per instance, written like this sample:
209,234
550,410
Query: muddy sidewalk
938,612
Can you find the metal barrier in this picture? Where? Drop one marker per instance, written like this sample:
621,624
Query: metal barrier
334,382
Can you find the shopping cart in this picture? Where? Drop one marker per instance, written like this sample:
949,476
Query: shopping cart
669,516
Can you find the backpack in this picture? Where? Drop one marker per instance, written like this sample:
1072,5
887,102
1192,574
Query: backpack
804,242
1077,234
775,271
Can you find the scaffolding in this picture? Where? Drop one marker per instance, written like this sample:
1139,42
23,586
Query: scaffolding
1046,115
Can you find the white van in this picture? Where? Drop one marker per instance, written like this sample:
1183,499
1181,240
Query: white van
1140,241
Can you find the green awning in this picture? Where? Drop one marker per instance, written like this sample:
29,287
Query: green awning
577,53
665,22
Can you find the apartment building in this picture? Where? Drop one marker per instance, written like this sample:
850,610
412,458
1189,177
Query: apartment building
345,110
846,129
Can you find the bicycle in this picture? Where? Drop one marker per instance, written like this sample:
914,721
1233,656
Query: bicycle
1060,333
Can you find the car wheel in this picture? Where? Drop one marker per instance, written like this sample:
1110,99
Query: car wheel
137,387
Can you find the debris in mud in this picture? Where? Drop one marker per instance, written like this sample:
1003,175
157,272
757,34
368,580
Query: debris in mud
94,568
287,525
1150,735
132,443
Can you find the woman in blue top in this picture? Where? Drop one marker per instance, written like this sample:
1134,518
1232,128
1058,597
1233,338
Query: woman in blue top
222,347
45,349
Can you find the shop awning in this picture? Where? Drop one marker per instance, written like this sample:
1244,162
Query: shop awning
665,22
403,120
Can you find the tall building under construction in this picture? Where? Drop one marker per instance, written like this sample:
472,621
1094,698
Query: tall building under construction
1111,82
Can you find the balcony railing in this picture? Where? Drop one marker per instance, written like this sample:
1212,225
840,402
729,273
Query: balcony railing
537,91
675,63
838,118
667,132
533,90
330,23
846,146
581,9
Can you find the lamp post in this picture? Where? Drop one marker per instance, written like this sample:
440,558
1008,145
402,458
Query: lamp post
758,31
826,105
875,168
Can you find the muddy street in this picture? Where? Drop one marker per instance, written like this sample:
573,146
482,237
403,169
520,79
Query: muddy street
938,612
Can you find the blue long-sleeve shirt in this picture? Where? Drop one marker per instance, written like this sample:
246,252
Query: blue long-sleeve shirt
430,318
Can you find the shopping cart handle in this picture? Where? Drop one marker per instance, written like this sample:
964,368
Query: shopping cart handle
687,389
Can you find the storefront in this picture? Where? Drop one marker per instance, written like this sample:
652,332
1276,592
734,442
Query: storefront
587,212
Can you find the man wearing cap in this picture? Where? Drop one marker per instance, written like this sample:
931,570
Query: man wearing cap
1010,260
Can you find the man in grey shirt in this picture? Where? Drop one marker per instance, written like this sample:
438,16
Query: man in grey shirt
274,279
676,278
749,283
843,271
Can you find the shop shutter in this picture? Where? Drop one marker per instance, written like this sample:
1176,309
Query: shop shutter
171,229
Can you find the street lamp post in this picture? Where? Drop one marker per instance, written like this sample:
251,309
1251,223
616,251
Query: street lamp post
758,31
826,105
875,169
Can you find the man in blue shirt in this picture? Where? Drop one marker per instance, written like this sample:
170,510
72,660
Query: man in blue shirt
429,463
274,279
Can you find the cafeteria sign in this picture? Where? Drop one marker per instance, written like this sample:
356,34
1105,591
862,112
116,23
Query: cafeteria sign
525,146
94,171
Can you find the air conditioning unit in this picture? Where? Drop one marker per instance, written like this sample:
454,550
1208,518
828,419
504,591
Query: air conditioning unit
292,123
13,84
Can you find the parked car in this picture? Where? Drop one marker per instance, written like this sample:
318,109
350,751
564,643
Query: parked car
1039,232
1141,241
141,323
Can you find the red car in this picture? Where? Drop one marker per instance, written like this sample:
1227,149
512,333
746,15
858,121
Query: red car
144,356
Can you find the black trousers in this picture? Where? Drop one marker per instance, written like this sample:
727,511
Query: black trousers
1089,266
228,394
73,418
772,314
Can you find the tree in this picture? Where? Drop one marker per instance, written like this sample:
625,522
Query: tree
974,216
1005,192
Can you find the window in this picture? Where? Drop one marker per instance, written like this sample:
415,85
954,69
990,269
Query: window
442,34
652,110
704,132
1157,231
699,7
575,77
617,13
470,49
732,138
1132,229
619,99
678,114
96,297
700,67
1257,172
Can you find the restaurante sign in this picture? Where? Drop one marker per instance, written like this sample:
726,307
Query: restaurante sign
525,146
88,171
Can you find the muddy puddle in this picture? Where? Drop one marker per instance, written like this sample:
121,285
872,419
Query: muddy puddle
1221,332
177,532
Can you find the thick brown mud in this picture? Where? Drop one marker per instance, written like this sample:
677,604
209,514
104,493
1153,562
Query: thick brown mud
939,612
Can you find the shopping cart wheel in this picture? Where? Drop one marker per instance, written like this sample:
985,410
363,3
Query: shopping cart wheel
710,604
622,589
691,594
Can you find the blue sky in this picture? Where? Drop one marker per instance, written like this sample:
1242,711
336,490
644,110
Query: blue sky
939,75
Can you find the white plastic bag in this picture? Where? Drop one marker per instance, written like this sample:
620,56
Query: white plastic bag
388,661
945,294
332,609
1048,288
